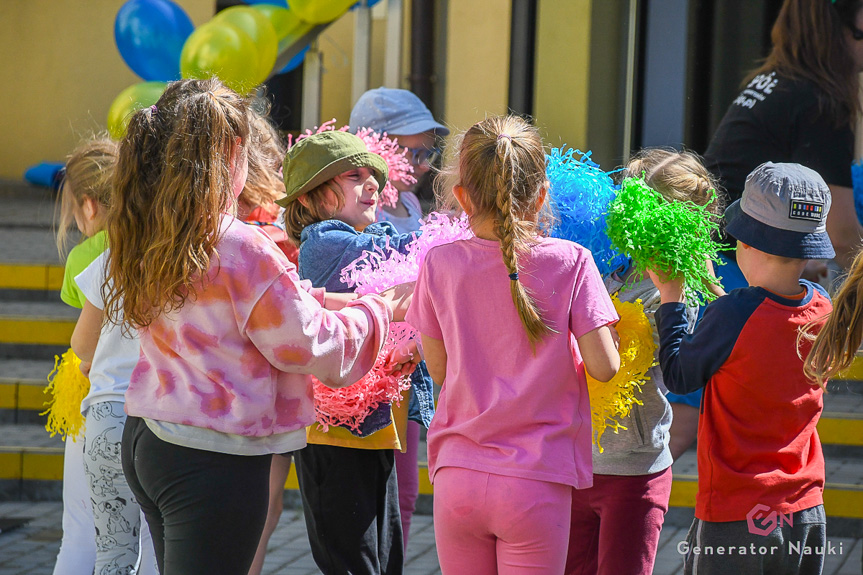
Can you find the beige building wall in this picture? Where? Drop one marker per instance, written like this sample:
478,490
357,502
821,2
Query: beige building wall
563,72
477,64
61,70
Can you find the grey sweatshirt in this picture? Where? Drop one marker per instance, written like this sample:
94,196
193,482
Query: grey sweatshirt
642,448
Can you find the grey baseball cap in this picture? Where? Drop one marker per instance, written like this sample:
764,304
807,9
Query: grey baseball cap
393,111
783,211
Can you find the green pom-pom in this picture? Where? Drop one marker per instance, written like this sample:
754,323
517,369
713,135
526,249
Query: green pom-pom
658,234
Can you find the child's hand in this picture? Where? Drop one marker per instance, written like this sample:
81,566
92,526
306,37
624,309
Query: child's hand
403,359
399,299
670,290
85,367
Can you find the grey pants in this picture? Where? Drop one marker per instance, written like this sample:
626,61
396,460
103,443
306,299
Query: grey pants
730,547
115,512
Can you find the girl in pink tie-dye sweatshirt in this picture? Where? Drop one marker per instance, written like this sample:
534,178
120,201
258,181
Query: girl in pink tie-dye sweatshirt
229,334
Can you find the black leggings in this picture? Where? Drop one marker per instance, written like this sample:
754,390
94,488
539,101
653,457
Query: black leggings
206,510
351,504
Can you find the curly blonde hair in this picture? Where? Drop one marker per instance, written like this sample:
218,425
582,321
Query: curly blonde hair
173,182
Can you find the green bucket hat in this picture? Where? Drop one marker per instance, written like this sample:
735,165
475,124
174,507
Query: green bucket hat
321,157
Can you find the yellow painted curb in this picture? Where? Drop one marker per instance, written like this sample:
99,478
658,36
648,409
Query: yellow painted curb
855,372
40,331
8,396
841,429
10,465
31,276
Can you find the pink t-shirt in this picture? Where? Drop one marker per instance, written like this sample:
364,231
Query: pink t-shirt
502,409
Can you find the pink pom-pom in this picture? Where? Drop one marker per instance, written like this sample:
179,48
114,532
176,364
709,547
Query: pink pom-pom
400,168
374,272
329,126
349,406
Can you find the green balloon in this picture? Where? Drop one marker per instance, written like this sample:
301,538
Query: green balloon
129,101
283,20
222,50
260,30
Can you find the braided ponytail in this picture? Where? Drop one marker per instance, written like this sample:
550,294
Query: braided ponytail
502,168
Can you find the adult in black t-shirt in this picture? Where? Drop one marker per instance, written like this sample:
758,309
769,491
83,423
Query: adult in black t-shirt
799,107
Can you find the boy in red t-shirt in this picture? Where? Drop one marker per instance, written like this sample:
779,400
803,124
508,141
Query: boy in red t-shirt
760,466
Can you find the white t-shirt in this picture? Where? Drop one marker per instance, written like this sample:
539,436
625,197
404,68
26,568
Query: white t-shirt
117,353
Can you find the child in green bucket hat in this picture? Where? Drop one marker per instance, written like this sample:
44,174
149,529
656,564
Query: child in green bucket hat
332,183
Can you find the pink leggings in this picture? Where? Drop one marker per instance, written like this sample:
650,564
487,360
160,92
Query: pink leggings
616,524
488,524
408,476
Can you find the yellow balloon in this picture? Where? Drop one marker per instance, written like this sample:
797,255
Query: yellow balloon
222,50
319,11
129,101
260,30
283,20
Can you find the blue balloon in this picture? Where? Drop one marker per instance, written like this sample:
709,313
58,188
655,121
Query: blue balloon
150,35
44,174
295,62
279,3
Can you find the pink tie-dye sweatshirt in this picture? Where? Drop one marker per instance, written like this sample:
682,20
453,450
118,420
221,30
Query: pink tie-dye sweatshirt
238,358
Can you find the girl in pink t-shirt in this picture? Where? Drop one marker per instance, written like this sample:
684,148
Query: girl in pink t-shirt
509,322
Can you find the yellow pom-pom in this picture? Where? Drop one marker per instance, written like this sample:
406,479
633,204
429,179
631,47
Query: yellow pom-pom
613,400
67,387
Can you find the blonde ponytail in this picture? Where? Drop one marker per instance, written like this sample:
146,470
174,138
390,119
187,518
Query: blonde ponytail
501,166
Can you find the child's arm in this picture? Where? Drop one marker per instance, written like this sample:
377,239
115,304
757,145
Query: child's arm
599,351
296,334
435,357
688,361
85,337
398,298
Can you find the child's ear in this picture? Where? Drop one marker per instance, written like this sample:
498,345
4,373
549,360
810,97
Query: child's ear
462,198
542,196
90,208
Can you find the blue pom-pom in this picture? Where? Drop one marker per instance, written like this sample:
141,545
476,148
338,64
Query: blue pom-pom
580,194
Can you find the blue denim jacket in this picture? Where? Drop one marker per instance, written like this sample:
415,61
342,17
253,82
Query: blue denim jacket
325,249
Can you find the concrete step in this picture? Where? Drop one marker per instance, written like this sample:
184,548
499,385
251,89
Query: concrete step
25,205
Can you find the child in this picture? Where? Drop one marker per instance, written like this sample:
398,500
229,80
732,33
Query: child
109,356
85,187
632,475
509,338
758,451
332,185
256,204
229,334
403,116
